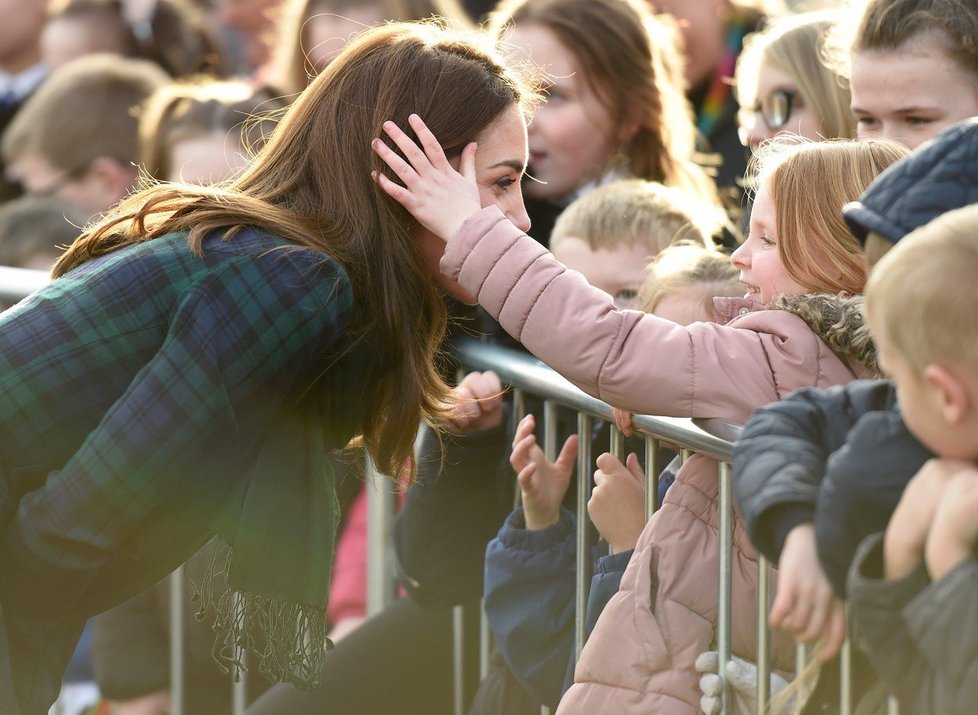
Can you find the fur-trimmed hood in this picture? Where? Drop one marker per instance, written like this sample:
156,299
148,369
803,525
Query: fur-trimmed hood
838,320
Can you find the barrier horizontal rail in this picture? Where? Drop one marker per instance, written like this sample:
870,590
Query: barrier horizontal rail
17,283
708,436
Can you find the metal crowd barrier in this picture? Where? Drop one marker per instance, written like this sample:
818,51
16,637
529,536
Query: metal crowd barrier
529,376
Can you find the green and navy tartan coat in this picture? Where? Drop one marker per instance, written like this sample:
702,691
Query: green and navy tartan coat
137,393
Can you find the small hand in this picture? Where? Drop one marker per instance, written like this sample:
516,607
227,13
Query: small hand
623,421
804,603
543,483
617,504
906,533
437,195
954,531
739,676
478,403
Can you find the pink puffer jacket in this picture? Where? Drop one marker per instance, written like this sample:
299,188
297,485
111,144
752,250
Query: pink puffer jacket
640,656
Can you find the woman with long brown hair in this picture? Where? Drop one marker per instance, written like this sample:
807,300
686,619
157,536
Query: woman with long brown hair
202,347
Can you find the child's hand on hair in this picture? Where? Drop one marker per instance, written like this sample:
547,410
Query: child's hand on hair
804,603
906,533
954,531
478,403
437,195
543,483
617,504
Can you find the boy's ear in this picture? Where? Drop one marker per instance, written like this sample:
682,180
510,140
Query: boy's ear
955,399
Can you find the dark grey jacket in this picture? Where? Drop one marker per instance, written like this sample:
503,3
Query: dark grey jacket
921,636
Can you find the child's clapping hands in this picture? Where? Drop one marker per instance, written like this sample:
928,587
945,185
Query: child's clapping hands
543,483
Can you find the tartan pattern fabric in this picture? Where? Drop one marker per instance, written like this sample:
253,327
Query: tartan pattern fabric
137,380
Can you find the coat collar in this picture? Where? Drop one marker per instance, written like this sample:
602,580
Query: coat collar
728,308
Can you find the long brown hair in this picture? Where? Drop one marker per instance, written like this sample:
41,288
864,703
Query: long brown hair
311,184
632,60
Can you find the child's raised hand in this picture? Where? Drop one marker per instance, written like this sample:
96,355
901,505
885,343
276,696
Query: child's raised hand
804,603
954,531
617,504
542,482
478,403
437,195
906,533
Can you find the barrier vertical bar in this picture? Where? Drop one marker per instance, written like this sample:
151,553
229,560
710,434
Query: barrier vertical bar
176,642
763,635
238,673
725,487
550,450
485,641
583,572
380,519
845,672
652,470
458,659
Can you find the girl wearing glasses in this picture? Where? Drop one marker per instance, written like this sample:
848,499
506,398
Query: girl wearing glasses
783,86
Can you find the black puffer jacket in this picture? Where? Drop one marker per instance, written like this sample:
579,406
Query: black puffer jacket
939,176
781,461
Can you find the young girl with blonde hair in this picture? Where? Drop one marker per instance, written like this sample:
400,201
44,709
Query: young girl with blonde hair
640,658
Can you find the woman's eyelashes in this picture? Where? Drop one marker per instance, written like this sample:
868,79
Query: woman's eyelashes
505,182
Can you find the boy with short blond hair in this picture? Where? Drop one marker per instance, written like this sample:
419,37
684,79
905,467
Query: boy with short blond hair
611,234
914,588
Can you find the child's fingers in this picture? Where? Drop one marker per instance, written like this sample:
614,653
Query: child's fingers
608,462
432,148
525,477
623,421
834,632
568,453
487,384
467,162
419,160
522,452
814,626
635,468
405,172
523,429
784,600
395,191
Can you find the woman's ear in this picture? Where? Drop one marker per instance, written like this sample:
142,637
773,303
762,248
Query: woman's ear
956,401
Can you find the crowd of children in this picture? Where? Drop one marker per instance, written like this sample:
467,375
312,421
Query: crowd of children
738,210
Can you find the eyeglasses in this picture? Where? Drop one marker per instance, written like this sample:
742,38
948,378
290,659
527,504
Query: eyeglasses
775,108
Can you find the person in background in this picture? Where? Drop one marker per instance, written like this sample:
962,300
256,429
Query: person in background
912,66
77,138
614,105
246,30
312,32
171,33
34,230
207,131
713,33
783,85
21,69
